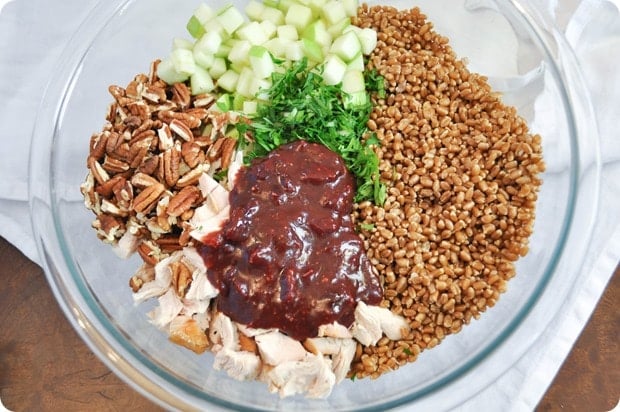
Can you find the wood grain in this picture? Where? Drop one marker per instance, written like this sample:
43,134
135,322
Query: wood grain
44,366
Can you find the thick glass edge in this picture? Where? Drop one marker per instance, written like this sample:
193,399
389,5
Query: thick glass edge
129,371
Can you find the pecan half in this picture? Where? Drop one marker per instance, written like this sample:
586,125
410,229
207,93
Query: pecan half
184,200
147,198
99,173
228,149
192,154
143,180
149,253
169,165
181,130
181,95
181,277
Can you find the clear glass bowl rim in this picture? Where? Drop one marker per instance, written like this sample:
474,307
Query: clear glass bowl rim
97,330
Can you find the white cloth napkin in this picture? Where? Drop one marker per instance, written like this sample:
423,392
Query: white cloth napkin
34,32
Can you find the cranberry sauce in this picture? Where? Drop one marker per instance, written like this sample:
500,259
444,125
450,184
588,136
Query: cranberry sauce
289,257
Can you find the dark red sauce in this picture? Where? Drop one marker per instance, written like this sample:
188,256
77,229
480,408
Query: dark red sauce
289,257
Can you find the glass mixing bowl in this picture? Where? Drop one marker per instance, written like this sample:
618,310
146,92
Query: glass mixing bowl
510,41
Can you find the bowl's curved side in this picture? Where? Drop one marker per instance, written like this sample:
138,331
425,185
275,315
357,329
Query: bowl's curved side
111,343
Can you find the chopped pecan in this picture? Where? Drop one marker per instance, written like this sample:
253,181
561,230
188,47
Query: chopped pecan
228,148
108,227
154,94
169,243
185,237
107,189
204,101
147,198
153,71
215,151
181,130
149,165
145,274
117,92
192,177
198,112
138,151
113,209
181,277
169,165
184,200
190,121
98,143
99,173
143,180
132,121
113,141
166,140
149,253
140,109
192,154
123,192
181,95
133,89
113,165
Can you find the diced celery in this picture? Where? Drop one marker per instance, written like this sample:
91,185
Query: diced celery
228,80
357,63
312,50
277,46
294,50
333,70
317,31
317,7
288,32
209,43
230,18
203,13
218,67
261,62
252,32
276,16
346,46
180,43
201,82
245,82
224,102
284,5
272,3
223,51
298,16
239,52
194,27
250,107
333,11
350,7
254,9
238,101
203,59
339,27
355,99
269,28
368,39
260,88
183,61
167,72
353,82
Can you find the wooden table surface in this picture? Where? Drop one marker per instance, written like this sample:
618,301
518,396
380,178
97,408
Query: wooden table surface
44,366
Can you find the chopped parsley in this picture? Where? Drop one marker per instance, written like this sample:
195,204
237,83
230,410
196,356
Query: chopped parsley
301,107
